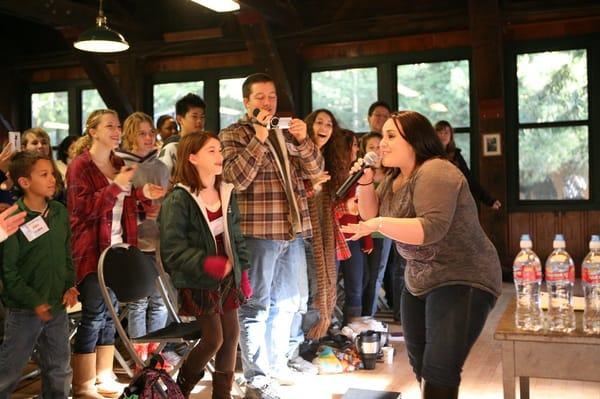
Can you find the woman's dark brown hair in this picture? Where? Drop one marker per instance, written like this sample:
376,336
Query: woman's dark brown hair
451,147
420,134
334,151
185,171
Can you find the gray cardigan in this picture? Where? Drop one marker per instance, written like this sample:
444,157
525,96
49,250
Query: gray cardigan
455,248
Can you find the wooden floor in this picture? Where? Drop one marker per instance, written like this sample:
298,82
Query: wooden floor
481,379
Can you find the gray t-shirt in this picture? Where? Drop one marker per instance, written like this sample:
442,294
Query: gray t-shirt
455,248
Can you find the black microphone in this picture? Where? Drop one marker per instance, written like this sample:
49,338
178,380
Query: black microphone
255,113
370,160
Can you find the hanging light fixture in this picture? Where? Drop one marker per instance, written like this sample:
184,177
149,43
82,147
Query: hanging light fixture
219,5
100,38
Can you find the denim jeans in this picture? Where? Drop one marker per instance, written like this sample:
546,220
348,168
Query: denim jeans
376,265
352,272
266,319
440,328
395,284
148,314
23,330
96,326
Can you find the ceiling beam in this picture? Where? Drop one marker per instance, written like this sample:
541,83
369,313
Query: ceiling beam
265,56
281,13
105,83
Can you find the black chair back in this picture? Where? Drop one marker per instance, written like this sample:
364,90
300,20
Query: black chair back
129,273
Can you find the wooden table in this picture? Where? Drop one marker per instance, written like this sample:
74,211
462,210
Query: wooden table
526,354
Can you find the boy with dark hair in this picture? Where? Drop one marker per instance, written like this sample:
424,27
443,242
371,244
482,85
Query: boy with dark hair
190,113
38,281
378,113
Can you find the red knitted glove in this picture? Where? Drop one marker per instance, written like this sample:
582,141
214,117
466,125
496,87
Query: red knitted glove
214,266
245,285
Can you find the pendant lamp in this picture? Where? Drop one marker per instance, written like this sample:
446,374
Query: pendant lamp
100,38
219,5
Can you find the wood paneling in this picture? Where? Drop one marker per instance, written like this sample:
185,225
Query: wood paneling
66,73
577,226
431,41
195,62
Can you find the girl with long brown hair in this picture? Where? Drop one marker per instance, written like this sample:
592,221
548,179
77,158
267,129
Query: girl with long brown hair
204,251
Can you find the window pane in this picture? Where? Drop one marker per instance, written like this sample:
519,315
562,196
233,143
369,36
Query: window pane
552,86
463,141
231,107
167,94
347,93
90,101
438,90
554,163
50,111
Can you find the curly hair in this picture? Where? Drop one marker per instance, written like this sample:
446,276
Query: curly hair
335,151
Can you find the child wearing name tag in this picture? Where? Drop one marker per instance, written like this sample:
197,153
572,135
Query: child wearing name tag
38,281
203,249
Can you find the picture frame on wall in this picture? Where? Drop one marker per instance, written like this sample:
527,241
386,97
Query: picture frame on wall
492,145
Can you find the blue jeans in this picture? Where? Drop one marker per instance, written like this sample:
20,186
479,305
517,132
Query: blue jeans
146,315
266,319
23,330
352,271
376,265
440,328
96,326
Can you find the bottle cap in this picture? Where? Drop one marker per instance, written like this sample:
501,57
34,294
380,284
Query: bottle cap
559,241
595,242
525,241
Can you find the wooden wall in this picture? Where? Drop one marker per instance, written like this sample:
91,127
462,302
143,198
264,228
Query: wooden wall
577,227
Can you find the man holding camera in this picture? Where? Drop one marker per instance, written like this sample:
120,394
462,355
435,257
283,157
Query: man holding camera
267,167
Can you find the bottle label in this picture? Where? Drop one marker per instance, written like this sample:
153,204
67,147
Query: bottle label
528,274
593,278
561,276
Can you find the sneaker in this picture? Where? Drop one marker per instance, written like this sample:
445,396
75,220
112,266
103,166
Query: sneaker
266,391
303,366
285,377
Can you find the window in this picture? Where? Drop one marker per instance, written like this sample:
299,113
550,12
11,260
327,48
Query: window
553,125
231,106
50,111
167,94
440,91
347,93
90,101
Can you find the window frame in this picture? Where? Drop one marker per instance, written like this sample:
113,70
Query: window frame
211,96
386,65
512,125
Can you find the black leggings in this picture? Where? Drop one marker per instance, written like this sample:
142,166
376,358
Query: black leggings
440,328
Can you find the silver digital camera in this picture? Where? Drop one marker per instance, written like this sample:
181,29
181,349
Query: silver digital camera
277,122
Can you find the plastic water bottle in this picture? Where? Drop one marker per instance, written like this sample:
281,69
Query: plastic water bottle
560,276
590,276
527,274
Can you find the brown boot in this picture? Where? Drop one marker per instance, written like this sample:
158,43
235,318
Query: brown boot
84,376
221,385
187,381
105,378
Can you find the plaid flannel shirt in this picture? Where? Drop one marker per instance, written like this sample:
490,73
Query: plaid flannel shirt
90,201
259,184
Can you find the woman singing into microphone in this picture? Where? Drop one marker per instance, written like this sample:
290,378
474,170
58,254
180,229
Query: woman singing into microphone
453,272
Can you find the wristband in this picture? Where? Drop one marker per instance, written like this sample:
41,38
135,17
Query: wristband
380,225
365,184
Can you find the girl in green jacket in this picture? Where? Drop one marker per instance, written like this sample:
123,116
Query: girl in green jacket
203,249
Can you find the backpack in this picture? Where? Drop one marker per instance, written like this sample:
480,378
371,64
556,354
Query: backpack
152,383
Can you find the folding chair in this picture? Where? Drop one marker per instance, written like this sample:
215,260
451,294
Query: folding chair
131,275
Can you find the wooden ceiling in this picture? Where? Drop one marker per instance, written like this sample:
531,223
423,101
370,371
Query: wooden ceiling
45,29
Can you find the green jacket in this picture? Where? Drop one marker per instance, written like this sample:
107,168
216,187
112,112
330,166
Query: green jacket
186,239
38,272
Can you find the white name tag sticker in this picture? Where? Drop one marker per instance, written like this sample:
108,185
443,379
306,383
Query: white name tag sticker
34,228
216,226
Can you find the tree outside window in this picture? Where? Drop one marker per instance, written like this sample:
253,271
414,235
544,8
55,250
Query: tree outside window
553,138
